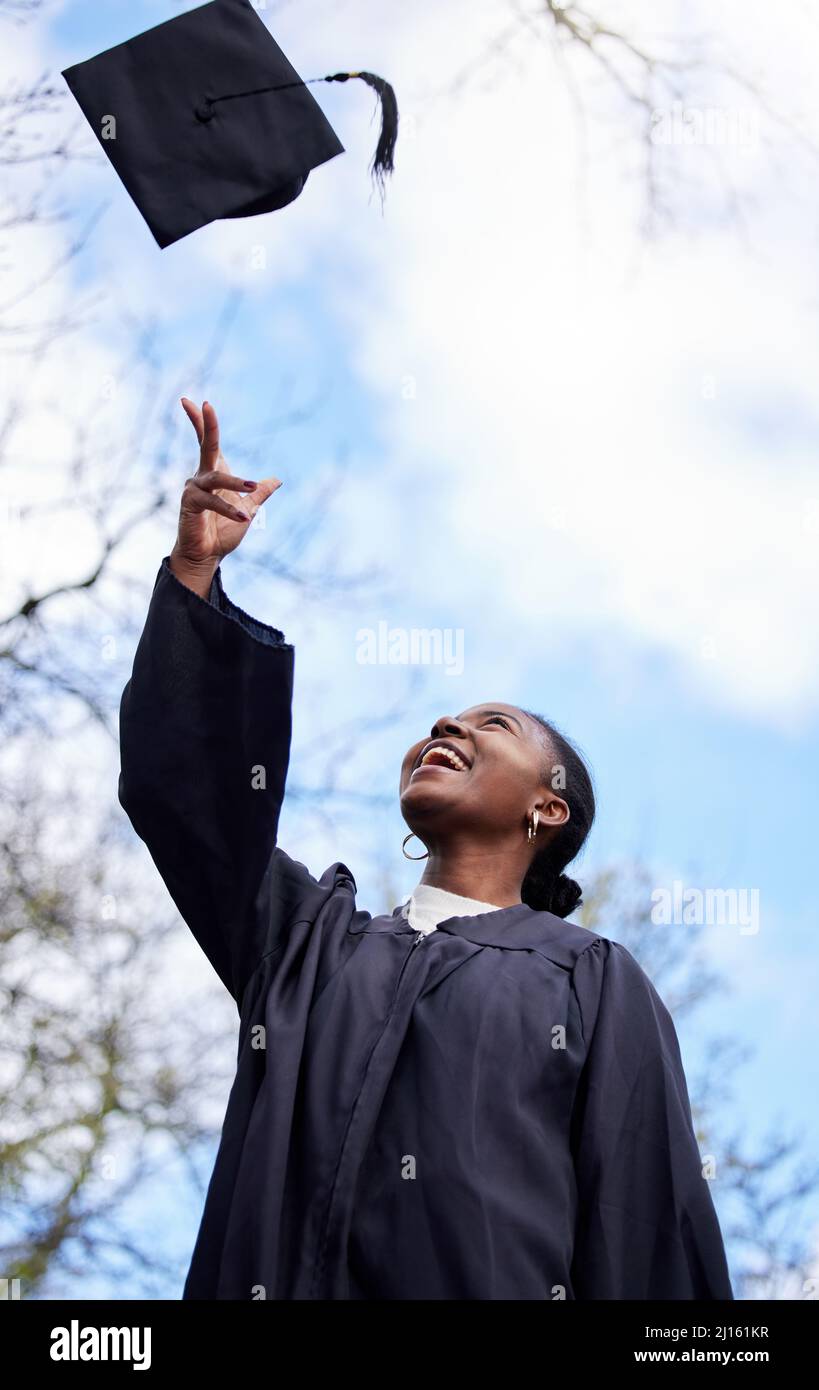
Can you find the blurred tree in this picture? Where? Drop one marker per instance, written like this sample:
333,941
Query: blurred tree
764,1190
653,94
110,1079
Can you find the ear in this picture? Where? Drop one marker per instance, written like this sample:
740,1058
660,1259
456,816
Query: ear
552,811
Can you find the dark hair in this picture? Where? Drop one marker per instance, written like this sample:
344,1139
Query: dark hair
545,888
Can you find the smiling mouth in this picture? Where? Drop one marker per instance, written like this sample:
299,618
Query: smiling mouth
443,756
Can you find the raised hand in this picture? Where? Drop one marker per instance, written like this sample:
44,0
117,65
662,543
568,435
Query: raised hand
213,520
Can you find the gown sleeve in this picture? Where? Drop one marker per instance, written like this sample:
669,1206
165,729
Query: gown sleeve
647,1227
205,724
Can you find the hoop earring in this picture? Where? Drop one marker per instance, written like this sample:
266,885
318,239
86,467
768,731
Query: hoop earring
412,856
531,830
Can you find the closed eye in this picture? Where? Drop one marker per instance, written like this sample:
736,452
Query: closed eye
499,719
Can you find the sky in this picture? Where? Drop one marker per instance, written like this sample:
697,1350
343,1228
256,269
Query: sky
579,435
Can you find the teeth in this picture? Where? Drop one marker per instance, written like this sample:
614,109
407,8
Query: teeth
452,757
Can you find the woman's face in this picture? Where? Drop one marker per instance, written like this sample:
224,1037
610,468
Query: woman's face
482,771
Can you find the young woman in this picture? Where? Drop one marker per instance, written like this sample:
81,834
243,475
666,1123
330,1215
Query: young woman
465,1097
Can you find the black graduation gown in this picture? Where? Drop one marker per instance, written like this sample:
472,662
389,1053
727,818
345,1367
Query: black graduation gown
497,1110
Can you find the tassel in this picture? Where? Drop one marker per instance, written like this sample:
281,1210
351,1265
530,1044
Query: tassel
382,163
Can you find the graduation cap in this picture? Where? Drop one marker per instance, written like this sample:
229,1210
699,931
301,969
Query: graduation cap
203,117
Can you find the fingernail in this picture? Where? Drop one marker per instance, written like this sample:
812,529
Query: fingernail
241,515
247,483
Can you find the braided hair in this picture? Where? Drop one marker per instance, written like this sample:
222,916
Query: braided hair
546,888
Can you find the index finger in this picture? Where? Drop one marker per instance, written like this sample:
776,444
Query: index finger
210,439
194,414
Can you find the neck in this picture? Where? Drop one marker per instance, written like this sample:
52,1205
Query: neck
475,876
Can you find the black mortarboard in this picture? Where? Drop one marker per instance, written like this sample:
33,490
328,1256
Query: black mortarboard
203,117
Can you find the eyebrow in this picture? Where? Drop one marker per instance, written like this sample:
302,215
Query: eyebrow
503,714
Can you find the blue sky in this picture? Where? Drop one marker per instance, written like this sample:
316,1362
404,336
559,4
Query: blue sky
591,450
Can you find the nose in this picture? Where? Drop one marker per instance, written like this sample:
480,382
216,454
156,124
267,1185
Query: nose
448,726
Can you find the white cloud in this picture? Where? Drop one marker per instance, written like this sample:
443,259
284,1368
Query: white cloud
621,432
587,413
